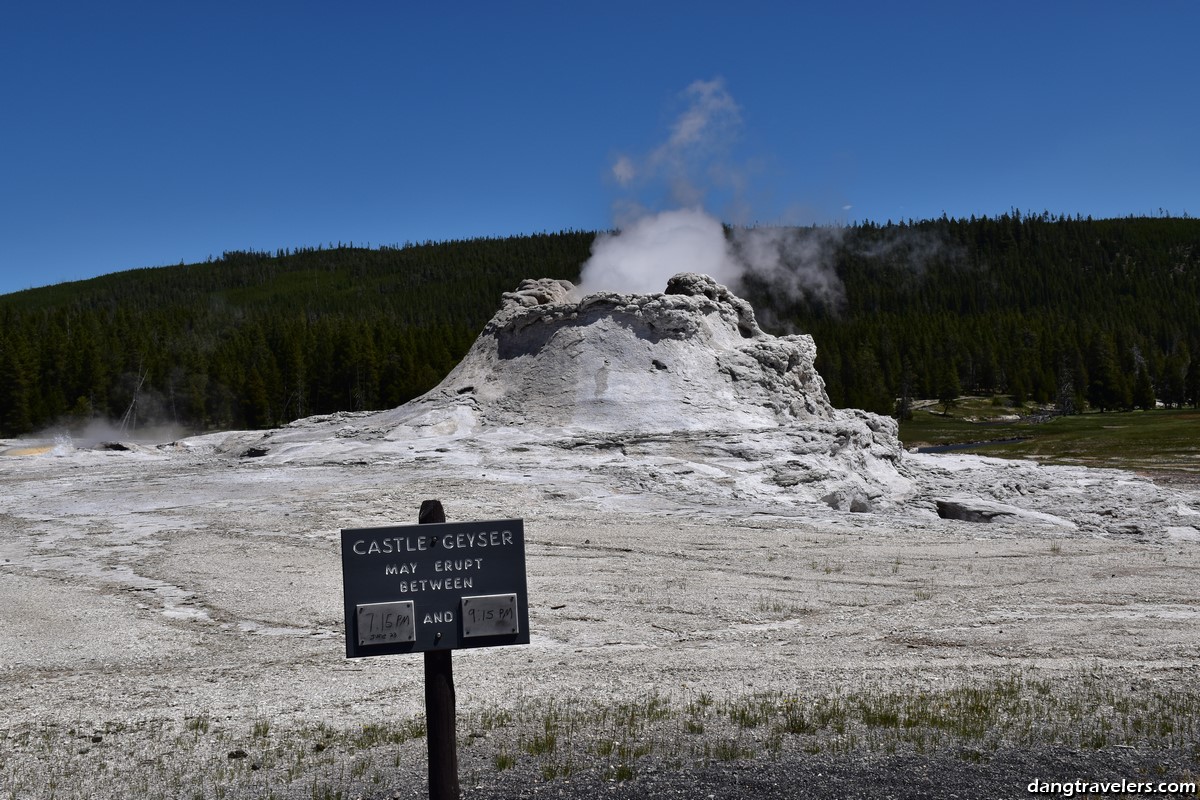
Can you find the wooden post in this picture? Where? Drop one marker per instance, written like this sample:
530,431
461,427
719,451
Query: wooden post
440,727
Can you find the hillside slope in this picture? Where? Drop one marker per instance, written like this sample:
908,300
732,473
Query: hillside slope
1085,313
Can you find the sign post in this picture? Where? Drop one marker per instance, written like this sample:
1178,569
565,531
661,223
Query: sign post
432,588
441,728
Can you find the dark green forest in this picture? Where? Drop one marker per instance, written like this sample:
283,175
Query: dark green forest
1079,313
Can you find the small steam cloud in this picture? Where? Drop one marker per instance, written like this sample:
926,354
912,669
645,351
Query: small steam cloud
911,249
692,157
624,171
796,263
90,434
691,164
653,248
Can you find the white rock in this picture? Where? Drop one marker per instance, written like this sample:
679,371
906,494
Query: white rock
686,375
974,509
1184,533
679,400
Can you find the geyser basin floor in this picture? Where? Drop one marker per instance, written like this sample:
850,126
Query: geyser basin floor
99,550
721,567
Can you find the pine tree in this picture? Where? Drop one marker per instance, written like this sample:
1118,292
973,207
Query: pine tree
1191,384
14,388
1143,390
1172,387
870,393
949,387
257,402
1065,401
1106,388
904,402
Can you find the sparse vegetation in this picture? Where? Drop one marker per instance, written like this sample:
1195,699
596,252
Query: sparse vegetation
504,760
1161,441
1088,710
1025,708
781,607
200,760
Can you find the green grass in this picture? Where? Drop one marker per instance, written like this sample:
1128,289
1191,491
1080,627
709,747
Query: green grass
1165,440
372,735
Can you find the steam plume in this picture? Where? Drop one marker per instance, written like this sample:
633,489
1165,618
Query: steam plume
698,143
644,255
796,263
692,163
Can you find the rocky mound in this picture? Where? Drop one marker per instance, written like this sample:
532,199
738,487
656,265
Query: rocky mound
679,401
690,359
671,388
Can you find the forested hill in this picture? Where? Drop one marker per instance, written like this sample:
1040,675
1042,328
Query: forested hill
258,339
1099,314
1085,313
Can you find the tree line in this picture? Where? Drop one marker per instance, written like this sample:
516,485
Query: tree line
1078,313
256,339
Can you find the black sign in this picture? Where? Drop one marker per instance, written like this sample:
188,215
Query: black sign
441,586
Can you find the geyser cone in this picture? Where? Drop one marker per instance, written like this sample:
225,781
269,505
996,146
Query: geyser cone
690,359
673,392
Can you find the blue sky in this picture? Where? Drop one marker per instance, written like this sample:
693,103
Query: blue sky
141,134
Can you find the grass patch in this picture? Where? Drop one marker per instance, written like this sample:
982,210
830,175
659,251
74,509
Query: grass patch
373,735
974,717
1163,440
1085,711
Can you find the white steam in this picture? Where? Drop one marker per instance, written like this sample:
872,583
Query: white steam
644,255
689,165
69,436
796,263
693,158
